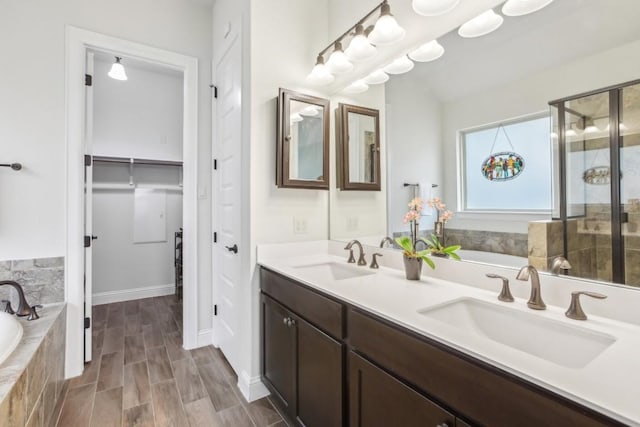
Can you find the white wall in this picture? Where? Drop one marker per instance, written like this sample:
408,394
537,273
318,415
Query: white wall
140,117
32,106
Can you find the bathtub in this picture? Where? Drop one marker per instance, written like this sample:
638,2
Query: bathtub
493,258
10,335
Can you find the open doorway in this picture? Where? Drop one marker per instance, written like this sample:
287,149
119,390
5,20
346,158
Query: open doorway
134,203
79,292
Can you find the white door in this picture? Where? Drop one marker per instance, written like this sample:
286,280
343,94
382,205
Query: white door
88,201
226,202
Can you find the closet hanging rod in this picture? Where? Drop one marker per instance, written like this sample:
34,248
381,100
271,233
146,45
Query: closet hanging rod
109,159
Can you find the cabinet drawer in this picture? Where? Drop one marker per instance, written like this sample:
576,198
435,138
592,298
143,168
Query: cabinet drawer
324,313
378,399
477,391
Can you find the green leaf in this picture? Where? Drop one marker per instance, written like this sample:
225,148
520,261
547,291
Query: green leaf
451,249
406,244
429,243
455,256
429,262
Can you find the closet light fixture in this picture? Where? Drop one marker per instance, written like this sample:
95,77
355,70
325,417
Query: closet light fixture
358,86
338,63
117,70
481,25
376,78
386,30
523,7
427,52
320,75
433,7
399,66
360,49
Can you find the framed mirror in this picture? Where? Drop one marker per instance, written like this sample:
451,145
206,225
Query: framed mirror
302,157
358,148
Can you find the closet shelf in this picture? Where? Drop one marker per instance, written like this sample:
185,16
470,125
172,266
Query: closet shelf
115,186
135,161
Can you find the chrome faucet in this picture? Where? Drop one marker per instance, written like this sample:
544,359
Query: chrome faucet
535,300
361,260
24,309
385,241
559,263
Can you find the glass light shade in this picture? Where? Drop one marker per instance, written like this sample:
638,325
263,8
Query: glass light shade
481,25
386,30
358,86
433,7
376,78
309,111
427,52
338,63
399,66
117,71
295,118
320,75
523,7
360,49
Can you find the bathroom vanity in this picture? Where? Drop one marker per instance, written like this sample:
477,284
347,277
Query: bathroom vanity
331,358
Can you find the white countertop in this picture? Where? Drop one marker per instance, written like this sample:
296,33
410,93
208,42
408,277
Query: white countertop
609,384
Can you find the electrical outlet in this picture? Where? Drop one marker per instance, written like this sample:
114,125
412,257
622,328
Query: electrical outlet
352,223
299,225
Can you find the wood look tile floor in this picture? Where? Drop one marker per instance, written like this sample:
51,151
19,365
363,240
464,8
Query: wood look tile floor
141,376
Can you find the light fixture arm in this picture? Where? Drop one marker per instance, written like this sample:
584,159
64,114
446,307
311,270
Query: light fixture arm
352,28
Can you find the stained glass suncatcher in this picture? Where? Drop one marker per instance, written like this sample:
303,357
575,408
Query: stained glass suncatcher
502,166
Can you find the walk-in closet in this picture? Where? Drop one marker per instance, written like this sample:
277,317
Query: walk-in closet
134,123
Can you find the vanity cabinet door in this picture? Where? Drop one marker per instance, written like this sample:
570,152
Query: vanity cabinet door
279,352
378,399
319,378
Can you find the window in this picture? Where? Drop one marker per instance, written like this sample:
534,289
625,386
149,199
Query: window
507,167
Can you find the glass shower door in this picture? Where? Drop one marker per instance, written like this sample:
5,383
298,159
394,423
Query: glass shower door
629,129
587,160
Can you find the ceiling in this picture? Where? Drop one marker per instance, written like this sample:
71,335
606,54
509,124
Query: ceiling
564,30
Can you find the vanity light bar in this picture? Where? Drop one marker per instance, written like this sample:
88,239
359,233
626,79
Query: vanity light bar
363,38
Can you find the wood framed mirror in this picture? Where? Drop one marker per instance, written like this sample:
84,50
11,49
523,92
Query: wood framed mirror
302,157
358,148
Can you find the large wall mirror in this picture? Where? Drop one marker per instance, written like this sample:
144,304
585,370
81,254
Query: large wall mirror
302,158
358,148
442,112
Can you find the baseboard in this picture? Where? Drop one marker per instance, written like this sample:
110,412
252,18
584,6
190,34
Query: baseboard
251,388
204,337
132,294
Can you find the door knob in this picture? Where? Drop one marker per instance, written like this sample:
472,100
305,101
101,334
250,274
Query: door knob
233,248
94,237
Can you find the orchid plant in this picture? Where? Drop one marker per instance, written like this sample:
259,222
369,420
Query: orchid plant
442,214
408,243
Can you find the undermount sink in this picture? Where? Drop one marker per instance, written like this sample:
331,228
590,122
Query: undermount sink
335,270
563,344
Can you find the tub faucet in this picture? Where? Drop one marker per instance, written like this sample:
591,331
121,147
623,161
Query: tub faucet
535,300
559,263
361,260
24,309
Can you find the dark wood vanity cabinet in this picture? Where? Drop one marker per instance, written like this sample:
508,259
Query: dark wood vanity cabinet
377,399
330,364
301,365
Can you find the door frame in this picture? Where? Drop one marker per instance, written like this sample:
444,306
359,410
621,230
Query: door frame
77,42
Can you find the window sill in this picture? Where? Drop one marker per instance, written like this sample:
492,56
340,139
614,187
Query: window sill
503,215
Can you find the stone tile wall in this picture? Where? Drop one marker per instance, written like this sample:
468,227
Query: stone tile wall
42,279
488,241
35,395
